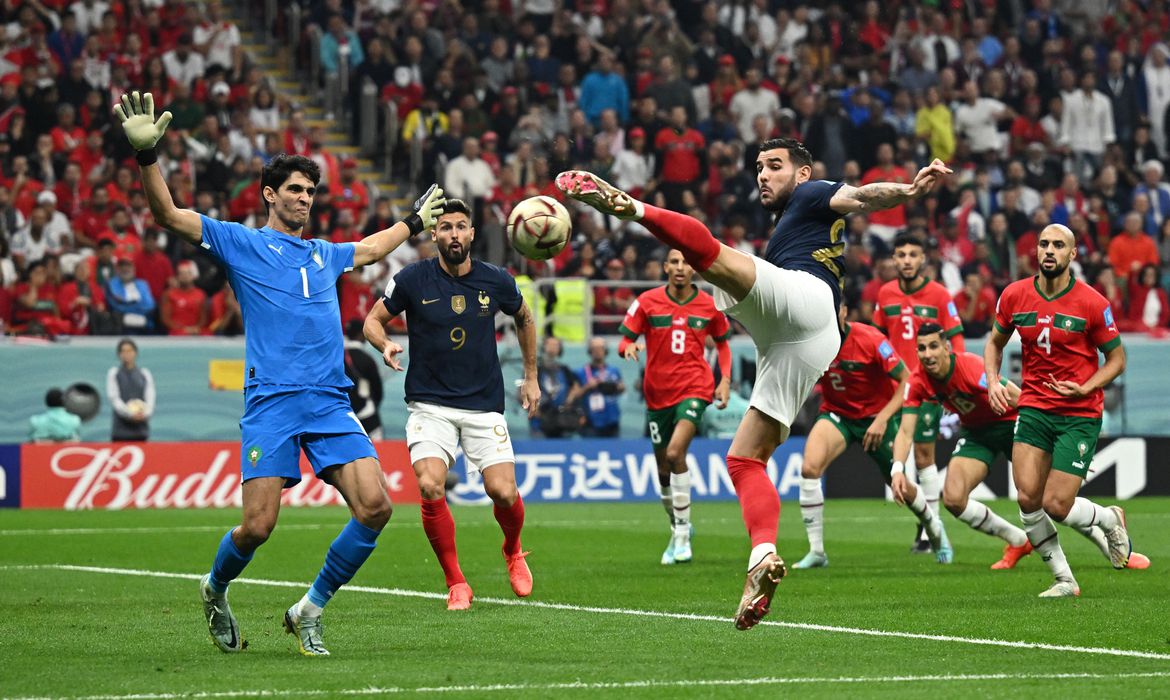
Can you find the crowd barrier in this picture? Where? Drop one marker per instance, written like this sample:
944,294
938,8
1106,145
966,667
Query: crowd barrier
117,476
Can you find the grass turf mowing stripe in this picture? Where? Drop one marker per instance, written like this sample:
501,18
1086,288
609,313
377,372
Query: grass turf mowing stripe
623,685
404,593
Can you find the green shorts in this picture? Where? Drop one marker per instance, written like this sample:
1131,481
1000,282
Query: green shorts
662,421
984,443
853,430
1071,440
929,416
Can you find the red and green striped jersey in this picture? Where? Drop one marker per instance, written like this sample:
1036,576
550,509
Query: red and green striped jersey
676,335
860,380
1060,337
963,391
900,314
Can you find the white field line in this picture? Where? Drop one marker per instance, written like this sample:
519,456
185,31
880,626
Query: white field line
622,685
690,617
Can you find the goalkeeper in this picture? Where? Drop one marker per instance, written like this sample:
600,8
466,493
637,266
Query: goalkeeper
295,384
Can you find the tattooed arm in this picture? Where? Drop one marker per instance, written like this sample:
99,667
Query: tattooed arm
877,196
526,334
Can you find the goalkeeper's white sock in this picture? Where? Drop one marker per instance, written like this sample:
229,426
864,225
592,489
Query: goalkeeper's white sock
981,518
812,512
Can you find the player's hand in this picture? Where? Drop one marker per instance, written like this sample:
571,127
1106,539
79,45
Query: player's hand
530,395
722,393
632,351
429,207
137,116
1067,388
928,178
898,486
390,355
874,434
999,397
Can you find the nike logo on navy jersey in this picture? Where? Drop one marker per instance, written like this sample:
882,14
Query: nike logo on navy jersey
429,301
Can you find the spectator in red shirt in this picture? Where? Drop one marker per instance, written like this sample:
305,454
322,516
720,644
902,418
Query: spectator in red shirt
90,155
976,305
884,270
346,230
726,82
94,219
35,310
1149,307
67,135
80,300
1131,249
152,264
1026,128
351,193
126,241
296,134
72,191
184,306
355,298
225,317
23,187
682,156
612,300
887,223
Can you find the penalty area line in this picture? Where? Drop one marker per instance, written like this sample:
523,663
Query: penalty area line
630,612
621,685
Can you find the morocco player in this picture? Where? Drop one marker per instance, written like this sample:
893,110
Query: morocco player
454,387
861,395
1062,323
788,302
677,319
903,305
957,380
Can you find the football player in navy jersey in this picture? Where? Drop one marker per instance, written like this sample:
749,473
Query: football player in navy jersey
295,386
787,300
455,389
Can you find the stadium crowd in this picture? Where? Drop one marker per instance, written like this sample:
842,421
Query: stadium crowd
1047,111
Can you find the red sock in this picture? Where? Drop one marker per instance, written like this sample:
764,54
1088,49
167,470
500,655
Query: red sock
757,498
686,233
511,521
440,529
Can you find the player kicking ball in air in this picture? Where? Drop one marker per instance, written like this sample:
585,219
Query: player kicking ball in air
295,389
788,302
861,396
455,389
903,305
957,380
1062,323
677,319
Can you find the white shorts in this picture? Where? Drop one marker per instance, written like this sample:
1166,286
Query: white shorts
791,318
439,431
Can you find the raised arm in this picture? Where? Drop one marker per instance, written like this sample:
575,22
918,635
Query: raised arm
427,210
136,113
877,196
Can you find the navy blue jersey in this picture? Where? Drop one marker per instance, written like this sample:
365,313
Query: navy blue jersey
808,235
287,289
452,329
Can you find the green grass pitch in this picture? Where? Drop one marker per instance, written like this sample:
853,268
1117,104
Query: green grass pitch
86,633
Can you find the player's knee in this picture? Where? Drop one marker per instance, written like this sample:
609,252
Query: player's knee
374,515
503,495
432,486
1056,508
954,501
676,457
256,530
811,469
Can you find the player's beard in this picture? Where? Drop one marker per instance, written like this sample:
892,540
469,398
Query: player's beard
780,199
454,259
1055,272
912,277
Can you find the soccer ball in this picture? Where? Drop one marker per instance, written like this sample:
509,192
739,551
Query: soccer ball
539,227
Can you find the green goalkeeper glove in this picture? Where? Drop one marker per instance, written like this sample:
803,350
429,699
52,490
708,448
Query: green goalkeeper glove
137,116
427,210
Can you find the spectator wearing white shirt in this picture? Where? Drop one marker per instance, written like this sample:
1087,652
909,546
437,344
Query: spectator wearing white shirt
939,49
217,38
183,63
633,167
1086,127
976,118
34,240
751,102
468,177
89,14
58,227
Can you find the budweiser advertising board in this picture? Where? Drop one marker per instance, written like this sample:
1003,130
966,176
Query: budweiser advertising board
116,476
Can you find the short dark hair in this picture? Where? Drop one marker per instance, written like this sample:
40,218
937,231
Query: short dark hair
796,150
282,166
908,239
54,398
124,342
457,206
929,328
